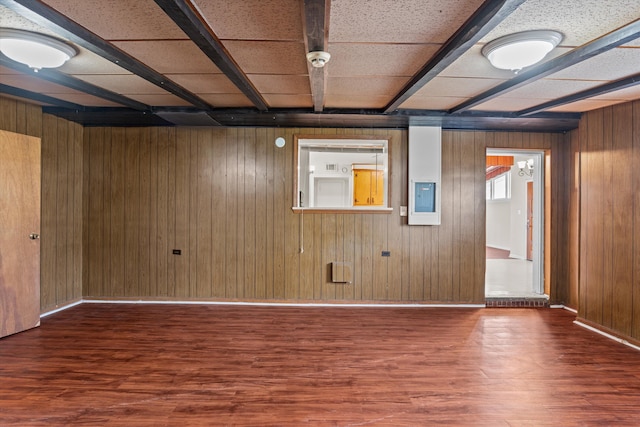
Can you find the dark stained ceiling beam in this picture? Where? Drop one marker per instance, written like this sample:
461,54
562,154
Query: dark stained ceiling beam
334,118
578,96
65,80
34,96
486,17
185,15
602,44
316,30
47,17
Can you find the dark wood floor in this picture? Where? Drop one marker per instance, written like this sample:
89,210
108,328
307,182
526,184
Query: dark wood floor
193,365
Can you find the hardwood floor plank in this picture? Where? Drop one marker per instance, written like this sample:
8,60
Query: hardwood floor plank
158,364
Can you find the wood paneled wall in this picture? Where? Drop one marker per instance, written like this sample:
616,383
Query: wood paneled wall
61,204
610,218
223,197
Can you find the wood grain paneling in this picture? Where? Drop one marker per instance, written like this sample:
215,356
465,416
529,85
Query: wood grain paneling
222,197
61,246
608,215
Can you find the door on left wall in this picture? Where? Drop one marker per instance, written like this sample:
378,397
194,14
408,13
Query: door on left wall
19,233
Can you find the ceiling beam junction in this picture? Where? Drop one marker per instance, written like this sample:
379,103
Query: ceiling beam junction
485,19
588,50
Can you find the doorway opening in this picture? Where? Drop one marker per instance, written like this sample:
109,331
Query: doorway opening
515,224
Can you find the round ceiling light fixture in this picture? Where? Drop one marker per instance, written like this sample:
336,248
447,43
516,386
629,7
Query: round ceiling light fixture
318,58
34,49
517,51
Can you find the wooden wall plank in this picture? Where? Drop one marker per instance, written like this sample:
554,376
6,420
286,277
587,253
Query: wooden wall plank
95,257
261,214
622,204
607,221
49,217
205,166
250,248
635,164
467,241
144,235
218,214
132,212
116,198
182,213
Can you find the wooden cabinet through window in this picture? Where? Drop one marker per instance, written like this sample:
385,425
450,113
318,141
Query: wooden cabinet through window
368,187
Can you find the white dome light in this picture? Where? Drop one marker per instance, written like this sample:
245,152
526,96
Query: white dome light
33,49
520,50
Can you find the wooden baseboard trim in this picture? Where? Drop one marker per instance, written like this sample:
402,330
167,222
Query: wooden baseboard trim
61,308
281,303
608,333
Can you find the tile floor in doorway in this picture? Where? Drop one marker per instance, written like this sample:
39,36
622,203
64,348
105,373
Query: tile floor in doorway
509,278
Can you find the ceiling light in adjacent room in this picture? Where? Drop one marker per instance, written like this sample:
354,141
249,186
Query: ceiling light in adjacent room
34,49
519,50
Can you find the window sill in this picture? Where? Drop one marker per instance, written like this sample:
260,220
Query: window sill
362,210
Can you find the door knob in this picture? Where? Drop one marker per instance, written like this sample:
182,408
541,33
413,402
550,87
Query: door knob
34,236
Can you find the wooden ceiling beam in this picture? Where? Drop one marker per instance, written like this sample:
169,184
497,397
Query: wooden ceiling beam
47,17
316,30
588,50
486,18
186,16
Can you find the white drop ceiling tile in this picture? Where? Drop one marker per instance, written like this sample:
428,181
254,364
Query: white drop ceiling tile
253,19
457,87
120,20
629,94
268,57
270,84
170,56
579,20
34,84
355,101
368,85
159,100
10,19
551,88
584,105
502,103
204,83
399,21
359,59
84,99
288,101
611,65
87,62
122,83
432,102
223,100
